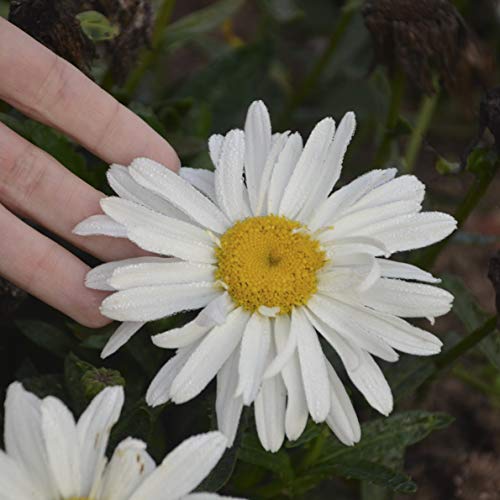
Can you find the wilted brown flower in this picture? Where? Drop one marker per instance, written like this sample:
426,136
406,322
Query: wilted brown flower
53,23
424,38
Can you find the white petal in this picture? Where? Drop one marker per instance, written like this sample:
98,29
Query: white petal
208,358
408,300
257,147
313,367
297,412
302,183
370,381
215,147
412,231
121,336
347,246
63,447
100,225
179,192
401,270
180,337
254,348
282,172
160,273
93,428
15,482
159,390
126,187
129,466
23,437
347,196
267,172
184,468
229,187
287,346
342,418
337,316
215,313
329,172
203,180
270,411
155,302
98,278
227,405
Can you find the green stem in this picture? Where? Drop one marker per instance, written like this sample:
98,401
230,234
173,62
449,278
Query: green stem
467,343
310,81
397,91
427,108
475,382
149,56
474,195
314,453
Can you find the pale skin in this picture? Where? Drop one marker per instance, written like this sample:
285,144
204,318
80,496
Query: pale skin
35,186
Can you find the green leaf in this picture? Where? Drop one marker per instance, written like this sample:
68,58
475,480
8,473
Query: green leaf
97,27
47,336
4,8
200,22
472,316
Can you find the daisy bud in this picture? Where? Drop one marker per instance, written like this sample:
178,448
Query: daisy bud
95,380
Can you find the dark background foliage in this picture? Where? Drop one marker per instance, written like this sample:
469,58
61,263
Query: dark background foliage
190,69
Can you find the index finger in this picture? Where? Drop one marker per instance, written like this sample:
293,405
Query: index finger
49,89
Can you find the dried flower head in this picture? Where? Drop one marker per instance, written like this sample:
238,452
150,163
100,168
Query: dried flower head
53,23
426,38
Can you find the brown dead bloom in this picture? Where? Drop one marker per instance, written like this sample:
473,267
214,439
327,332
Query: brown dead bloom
426,38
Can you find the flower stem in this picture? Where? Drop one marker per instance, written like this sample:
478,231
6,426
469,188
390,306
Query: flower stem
148,56
475,194
427,108
467,343
310,81
315,452
397,91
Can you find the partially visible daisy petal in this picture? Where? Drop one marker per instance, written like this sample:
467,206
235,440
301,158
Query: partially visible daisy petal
214,148
100,225
203,180
121,336
180,337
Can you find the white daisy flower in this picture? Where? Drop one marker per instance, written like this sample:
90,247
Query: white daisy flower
49,456
275,261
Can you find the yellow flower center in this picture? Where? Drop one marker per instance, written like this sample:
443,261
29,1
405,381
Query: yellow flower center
269,261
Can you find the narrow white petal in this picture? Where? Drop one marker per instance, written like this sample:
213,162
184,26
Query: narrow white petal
227,405
23,437
407,300
126,187
121,336
63,447
270,411
203,180
93,428
159,390
303,180
329,172
98,278
168,272
401,270
347,246
254,349
297,412
180,337
344,198
257,147
179,192
155,302
282,172
267,172
215,313
100,225
184,468
342,418
208,358
215,147
313,367
287,346
129,467
15,482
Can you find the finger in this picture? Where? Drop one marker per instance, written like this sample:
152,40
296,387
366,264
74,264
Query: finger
35,185
47,271
51,90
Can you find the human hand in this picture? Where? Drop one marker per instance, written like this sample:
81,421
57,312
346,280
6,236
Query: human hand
35,186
